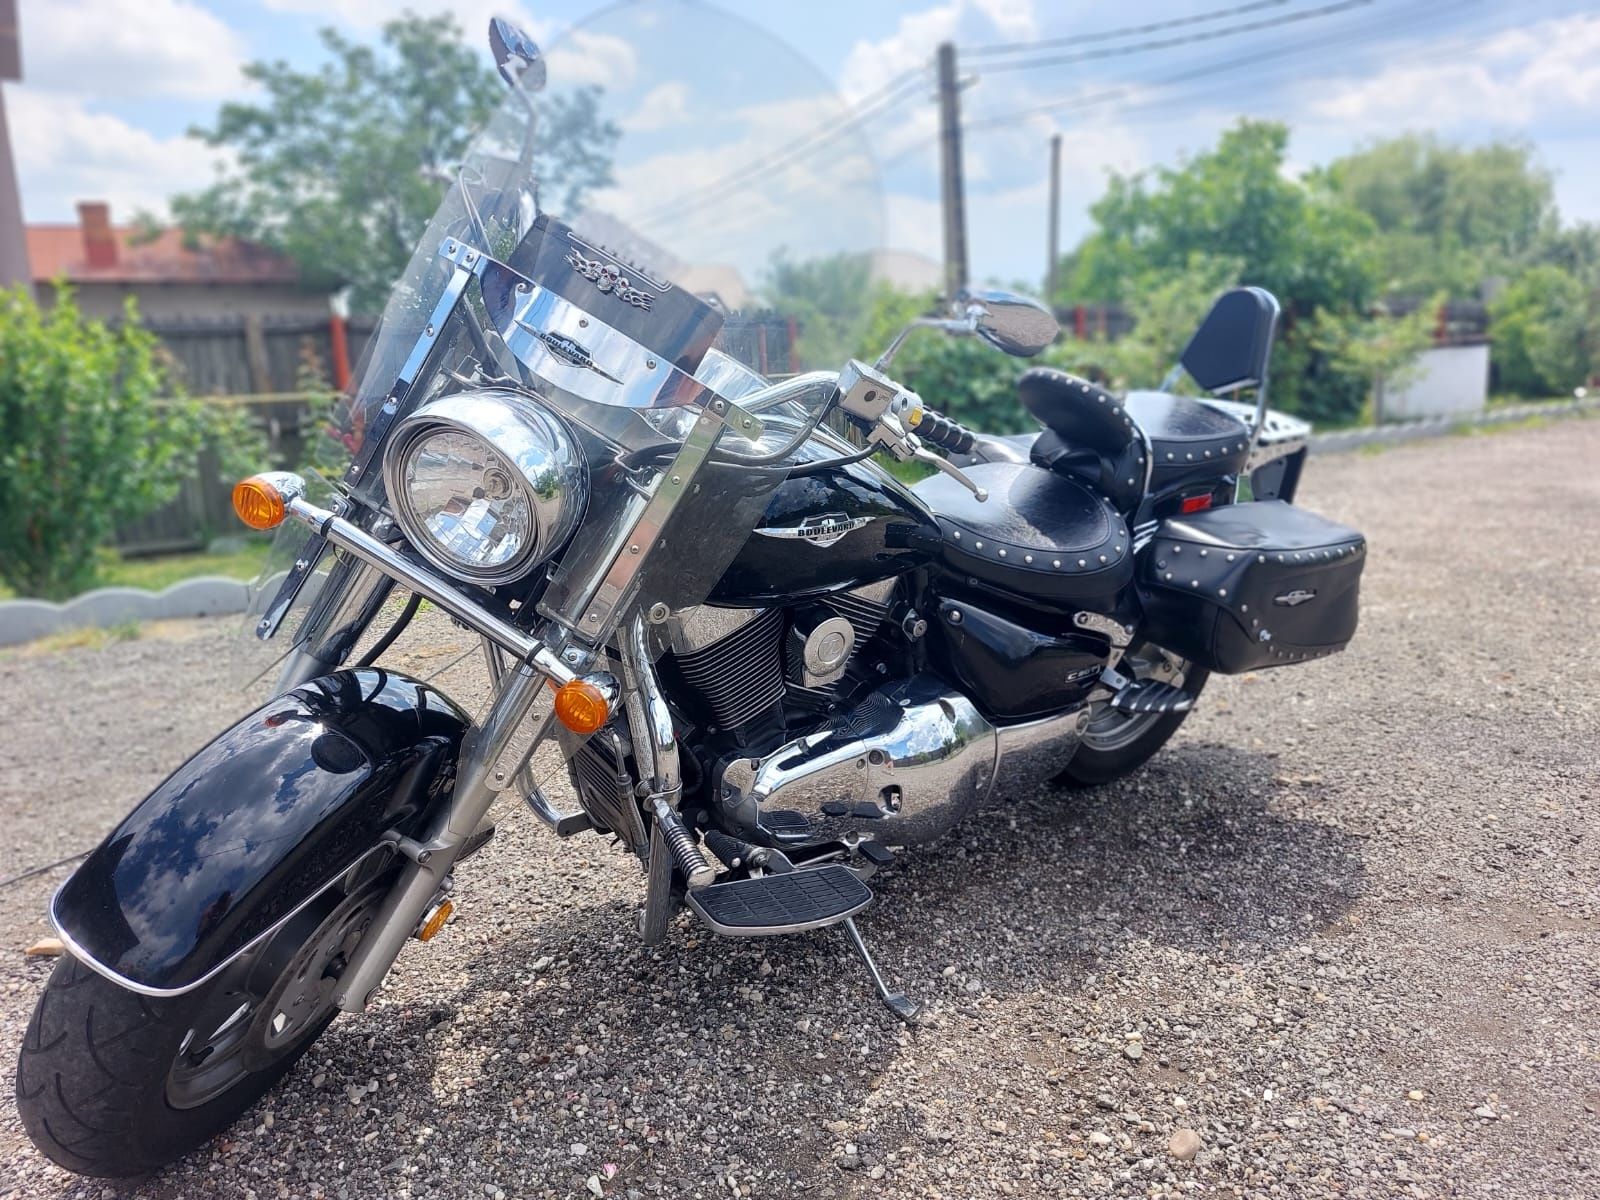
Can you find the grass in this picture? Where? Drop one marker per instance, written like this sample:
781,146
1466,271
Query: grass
164,570
88,638
161,571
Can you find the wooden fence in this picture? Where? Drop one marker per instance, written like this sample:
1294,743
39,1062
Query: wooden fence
266,365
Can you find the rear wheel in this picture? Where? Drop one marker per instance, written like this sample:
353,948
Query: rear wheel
1116,743
113,1083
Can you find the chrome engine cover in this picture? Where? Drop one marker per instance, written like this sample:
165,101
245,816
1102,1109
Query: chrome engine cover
901,768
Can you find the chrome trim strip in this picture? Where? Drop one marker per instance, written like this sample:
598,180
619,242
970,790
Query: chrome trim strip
580,353
99,968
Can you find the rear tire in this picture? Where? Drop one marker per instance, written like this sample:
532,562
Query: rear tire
1117,744
112,1083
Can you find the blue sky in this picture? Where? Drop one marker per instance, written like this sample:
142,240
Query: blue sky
111,85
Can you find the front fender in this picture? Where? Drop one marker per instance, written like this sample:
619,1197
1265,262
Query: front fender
257,824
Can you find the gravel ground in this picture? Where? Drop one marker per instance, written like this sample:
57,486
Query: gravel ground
1345,929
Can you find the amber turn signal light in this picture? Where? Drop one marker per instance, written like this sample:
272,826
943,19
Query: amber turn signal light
434,921
259,503
581,706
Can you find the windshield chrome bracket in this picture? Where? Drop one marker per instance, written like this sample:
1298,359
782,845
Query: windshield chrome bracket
464,255
643,539
377,432
741,422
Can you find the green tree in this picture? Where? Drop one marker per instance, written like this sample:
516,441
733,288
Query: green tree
1231,216
1544,330
962,377
89,438
1447,216
341,168
830,299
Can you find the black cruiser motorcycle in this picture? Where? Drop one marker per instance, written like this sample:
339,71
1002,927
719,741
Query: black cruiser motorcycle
761,663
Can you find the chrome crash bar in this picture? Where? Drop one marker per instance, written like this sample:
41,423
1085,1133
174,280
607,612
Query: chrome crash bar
356,541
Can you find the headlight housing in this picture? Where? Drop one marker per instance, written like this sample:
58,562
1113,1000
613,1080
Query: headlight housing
485,484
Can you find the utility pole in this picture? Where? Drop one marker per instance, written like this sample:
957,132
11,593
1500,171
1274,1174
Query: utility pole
1052,263
950,179
13,239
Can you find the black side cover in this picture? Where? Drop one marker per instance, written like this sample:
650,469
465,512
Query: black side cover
258,822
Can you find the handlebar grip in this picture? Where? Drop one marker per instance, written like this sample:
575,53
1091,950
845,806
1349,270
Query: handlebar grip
945,433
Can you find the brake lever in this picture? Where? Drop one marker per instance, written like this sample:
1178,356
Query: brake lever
950,469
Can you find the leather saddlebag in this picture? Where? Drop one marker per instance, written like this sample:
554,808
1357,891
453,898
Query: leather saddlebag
1252,585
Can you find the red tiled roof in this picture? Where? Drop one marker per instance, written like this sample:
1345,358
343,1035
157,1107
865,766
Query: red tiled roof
55,250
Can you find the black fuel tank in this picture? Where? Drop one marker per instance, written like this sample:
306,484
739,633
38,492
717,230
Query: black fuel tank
840,528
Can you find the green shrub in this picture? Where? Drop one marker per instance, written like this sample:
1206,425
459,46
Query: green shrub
88,438
1543,333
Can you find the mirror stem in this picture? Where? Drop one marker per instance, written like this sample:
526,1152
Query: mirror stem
948,324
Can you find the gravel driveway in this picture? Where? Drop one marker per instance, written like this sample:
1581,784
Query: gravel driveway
1346,929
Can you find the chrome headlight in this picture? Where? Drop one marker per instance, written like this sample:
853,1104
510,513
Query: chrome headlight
486,485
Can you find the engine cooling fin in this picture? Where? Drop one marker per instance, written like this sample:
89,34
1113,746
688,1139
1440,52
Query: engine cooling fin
741,675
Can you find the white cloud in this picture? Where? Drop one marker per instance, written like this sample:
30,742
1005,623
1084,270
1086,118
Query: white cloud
661,108
582,56
472,15
914,223
1012,18
1547,70
870,64
65,153
130,48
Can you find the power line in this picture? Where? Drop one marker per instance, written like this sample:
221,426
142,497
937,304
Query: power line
1189,39
1421,15
1426,11
1108,35
876,104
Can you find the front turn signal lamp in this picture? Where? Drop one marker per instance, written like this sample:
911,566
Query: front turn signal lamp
582,706
433,920
262,501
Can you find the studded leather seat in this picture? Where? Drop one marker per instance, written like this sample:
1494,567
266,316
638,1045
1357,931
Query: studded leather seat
1039,535
1188,437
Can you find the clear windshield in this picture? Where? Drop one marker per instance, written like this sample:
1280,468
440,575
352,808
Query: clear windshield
683,215
705,186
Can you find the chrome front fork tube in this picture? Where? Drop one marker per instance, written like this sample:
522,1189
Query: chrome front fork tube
655,748
493,754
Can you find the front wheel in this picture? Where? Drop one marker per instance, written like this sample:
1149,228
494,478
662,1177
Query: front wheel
112,1083
1117,743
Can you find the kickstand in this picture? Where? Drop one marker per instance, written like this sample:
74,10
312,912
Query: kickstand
899,1004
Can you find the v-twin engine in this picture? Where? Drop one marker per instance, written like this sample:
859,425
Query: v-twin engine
900,768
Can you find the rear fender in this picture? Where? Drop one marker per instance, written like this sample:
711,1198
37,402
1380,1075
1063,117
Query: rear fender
257,825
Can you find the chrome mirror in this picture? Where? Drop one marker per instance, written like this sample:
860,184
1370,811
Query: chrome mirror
1017,324
517,55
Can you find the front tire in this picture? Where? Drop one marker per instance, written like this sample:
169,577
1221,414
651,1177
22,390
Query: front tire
112,1083
1117,744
